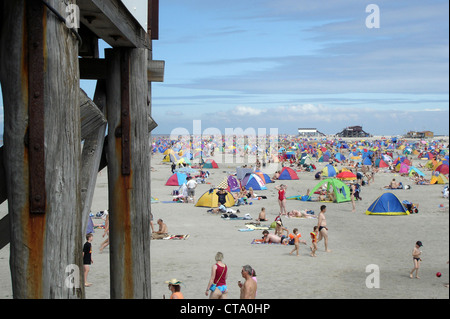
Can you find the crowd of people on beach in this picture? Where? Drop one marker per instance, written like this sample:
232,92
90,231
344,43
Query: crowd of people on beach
364,175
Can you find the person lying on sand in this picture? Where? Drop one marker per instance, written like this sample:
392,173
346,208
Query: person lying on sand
299,213
274,239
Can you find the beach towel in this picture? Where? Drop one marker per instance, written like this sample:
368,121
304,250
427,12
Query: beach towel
253,227
176,237
261,242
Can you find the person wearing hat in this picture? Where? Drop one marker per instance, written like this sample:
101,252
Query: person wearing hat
416,259
174,287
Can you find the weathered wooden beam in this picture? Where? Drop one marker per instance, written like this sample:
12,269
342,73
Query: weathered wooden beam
42,246
156,70
111,21
4,231
3,190
91,156
91,116
129,204
153,19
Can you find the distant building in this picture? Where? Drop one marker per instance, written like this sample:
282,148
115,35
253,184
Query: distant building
353,131
424,134
309,132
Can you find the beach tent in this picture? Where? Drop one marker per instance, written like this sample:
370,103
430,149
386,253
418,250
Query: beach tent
339,157
443,169
380,163
210,199
387,204
438,178
264,177
233,184
340,189
402,168
253,181
288,173
413,169
210,164
242,171
306,160
177,179
346,176
367,161
329,171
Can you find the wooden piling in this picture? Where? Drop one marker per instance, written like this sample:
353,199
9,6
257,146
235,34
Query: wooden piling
129,200
42,245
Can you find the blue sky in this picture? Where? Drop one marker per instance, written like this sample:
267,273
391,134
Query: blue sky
299,63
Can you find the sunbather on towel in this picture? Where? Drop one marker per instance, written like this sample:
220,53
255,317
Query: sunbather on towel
274,239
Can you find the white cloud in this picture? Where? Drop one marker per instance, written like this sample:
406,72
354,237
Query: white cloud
246,110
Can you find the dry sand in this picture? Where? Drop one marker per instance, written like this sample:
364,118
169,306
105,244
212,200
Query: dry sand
356,241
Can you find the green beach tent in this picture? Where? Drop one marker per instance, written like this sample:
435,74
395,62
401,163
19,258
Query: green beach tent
340,189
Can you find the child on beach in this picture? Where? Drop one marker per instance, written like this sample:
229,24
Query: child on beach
314,234
262,215
87,257
416,259
296,239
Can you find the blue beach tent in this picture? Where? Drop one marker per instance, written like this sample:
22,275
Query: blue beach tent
387,204
253,181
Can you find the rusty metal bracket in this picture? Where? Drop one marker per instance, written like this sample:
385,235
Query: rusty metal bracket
125,110
36,154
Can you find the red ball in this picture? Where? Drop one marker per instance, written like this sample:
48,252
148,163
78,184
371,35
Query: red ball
438,274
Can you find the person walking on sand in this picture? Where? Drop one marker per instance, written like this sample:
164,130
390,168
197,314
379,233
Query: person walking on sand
248,289
296,242
282,198
416,259
87,258
218,281
322,225
314,234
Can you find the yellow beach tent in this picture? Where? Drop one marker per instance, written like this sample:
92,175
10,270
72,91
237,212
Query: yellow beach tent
210,199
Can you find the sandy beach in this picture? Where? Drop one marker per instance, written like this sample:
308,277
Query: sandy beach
356,241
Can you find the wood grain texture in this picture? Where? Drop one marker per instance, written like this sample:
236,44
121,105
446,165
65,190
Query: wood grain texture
129,195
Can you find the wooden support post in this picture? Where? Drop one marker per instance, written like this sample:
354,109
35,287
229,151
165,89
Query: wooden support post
42,245
91,155
129,195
